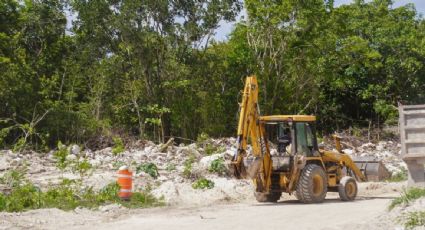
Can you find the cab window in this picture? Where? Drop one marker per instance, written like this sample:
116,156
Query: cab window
305,139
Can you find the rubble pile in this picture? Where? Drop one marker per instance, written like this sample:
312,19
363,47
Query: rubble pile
178,167
389,152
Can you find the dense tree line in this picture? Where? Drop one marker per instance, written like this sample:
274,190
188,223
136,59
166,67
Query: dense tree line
151,69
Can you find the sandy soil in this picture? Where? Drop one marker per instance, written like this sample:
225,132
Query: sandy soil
369,210
288,214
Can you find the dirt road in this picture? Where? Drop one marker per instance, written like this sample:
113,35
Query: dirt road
288,214
368,211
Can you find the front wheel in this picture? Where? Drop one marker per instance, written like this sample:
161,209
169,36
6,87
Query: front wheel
347,188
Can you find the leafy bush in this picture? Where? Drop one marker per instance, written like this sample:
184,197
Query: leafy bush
118,146
209,149
149,168
187,171
60,156
413,219
117,164
399,176
82,167
170,167
63,196
408,196
2,201
142,199
13,178
202,137
203,183
68,196
217,166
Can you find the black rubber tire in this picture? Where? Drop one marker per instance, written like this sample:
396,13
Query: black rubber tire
347,189
306,190
267,197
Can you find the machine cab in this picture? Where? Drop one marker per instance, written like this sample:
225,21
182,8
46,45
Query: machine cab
293,134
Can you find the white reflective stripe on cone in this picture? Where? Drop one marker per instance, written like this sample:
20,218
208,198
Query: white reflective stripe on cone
124,176
125,190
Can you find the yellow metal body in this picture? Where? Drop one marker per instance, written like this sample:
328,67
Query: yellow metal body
251,127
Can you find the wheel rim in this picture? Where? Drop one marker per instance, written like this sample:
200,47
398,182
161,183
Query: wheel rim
317,185
350,189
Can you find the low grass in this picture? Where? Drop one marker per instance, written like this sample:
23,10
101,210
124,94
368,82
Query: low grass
203,183
217,166
398,177
411,220
187,170
67,196
149,168
407,197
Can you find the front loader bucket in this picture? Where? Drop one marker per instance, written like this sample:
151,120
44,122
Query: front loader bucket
372,169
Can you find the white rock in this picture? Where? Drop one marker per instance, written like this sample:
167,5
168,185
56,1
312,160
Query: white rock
168,191
367,145
109,207
162,178
205,162
71,157
348,151
15,162
4,163
148,149
75,149
94,162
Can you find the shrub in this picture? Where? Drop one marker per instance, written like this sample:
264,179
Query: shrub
60,156
62,196
210,149
203,183
142,199
149,168
413,219
399,176
202,137
82,168
2,201
408,196
217,166
118,146
22,197
68,196
170,167
117,164
13,178
187,171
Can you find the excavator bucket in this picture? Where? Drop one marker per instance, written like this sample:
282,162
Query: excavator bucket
252,166
245,167
374,170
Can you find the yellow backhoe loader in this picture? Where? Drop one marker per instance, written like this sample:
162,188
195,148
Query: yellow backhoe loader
297,165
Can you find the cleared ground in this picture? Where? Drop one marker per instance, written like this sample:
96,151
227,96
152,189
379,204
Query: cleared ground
288,214
368,211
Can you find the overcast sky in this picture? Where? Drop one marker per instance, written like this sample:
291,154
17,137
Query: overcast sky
225,28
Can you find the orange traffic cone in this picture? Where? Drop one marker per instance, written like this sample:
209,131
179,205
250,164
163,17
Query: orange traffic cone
125,181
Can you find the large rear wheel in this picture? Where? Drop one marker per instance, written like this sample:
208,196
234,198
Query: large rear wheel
312,185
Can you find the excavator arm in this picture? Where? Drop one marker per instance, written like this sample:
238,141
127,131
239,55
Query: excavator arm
258,165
